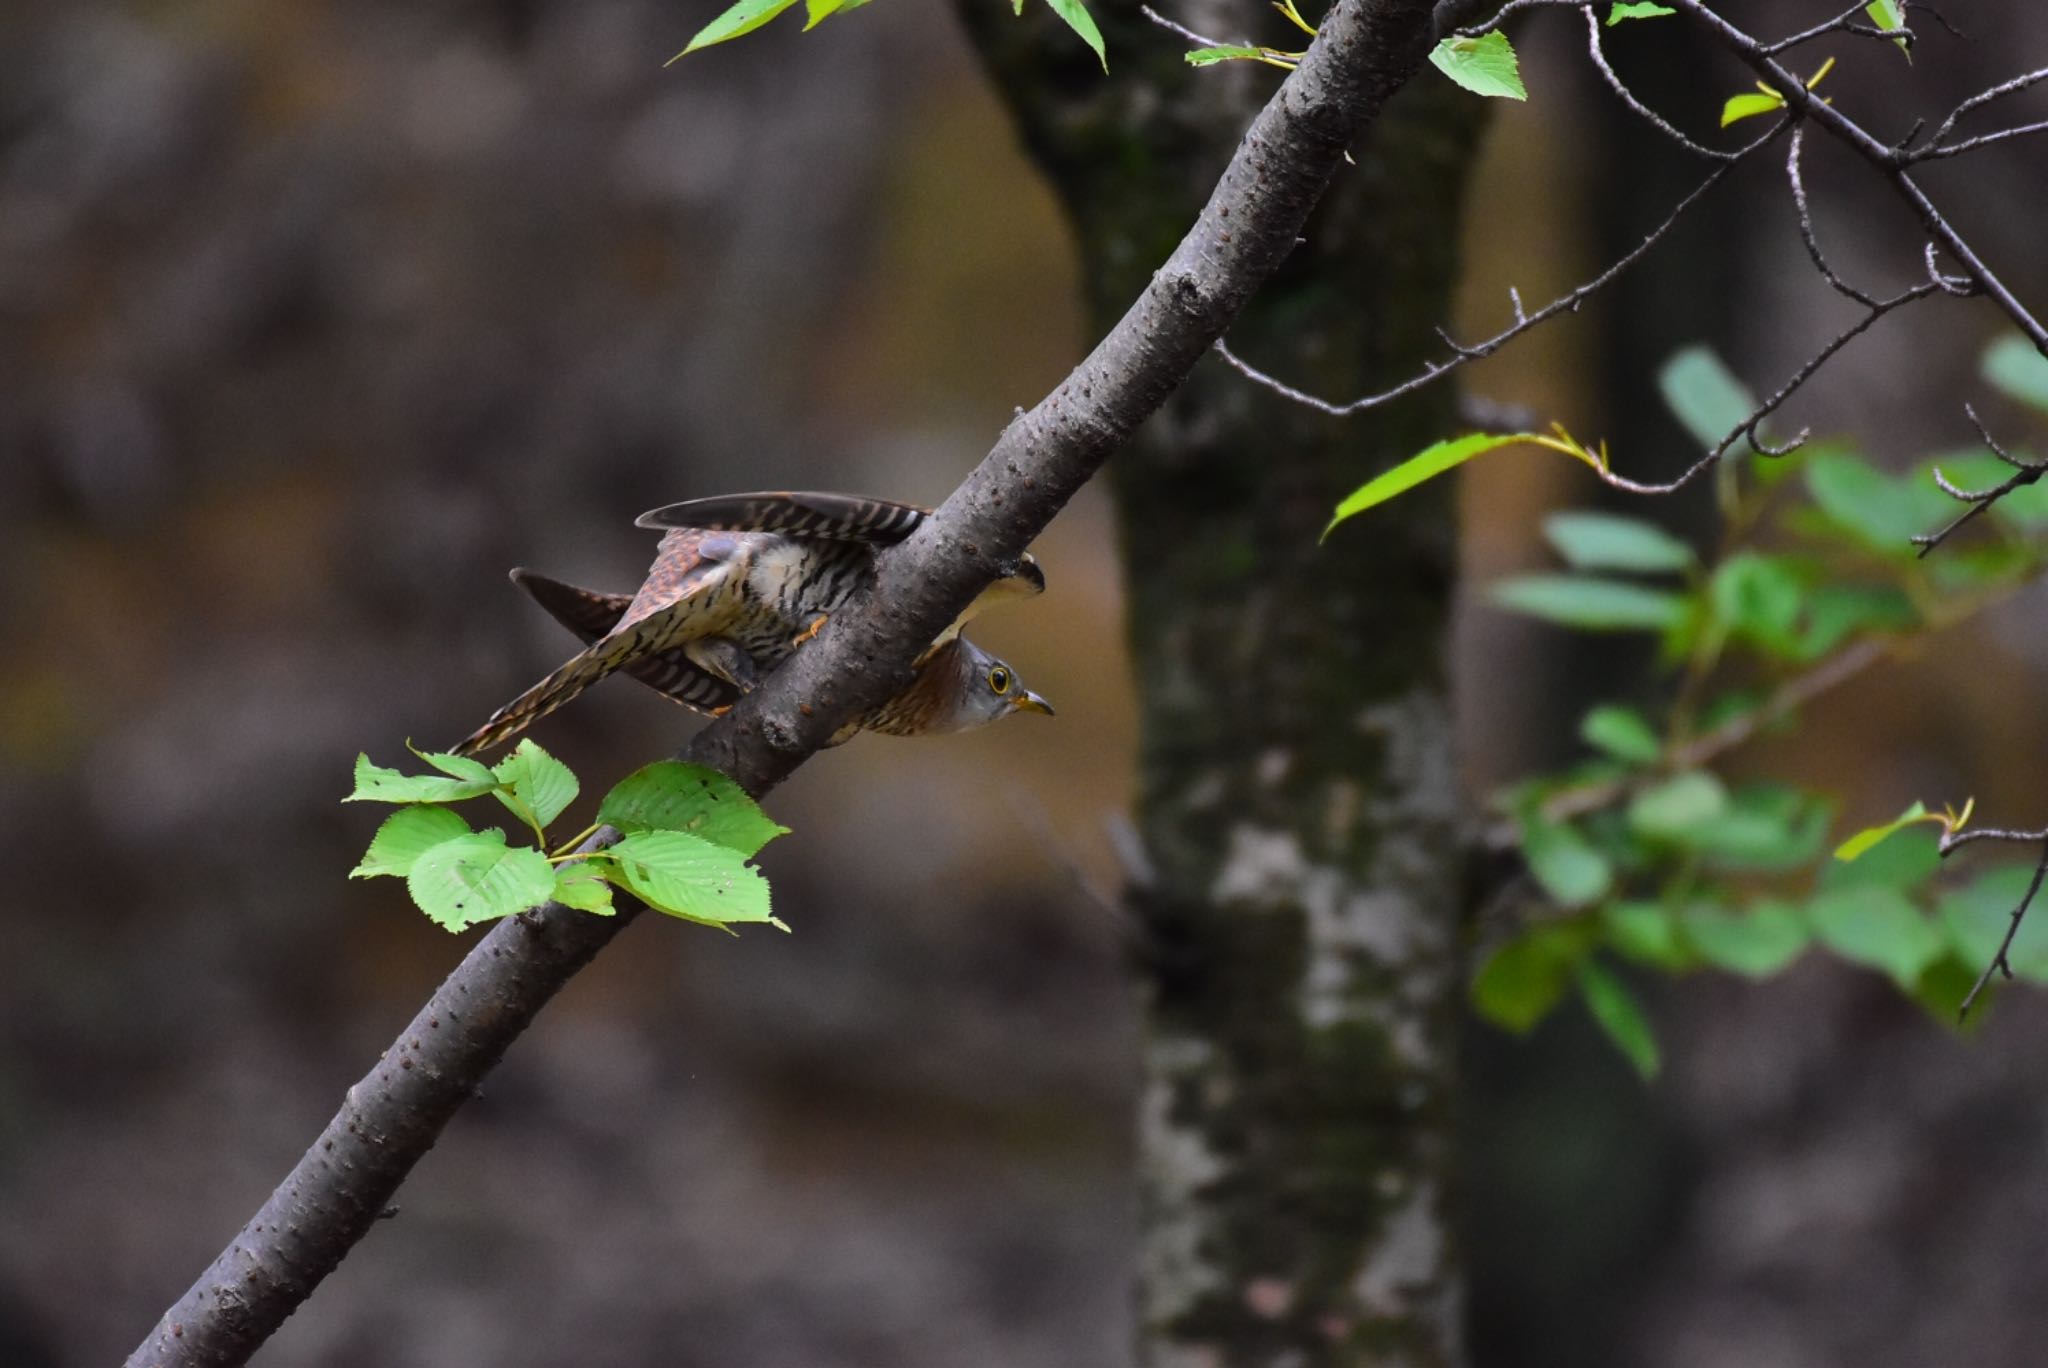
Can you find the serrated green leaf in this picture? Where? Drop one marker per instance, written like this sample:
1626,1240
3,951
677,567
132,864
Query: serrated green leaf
1879,928
1881,512
1621,12
1209,56
1591,604
1432,461
1570,870
1977,916
2012,367
581,884
1076,17
376,784
1756,944
1526,977
1620,1016
1645,932
1608,541
1484,66
464,767
1622,732
476,878
742,18
1748,105
544,784
1675,809
1758,598
671,796
1704,395
689,877
406,835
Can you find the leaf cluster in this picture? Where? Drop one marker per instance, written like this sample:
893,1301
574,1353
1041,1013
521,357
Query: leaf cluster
1646,854
687,834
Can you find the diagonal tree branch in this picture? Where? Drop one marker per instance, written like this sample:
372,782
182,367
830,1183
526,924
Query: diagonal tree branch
1365,51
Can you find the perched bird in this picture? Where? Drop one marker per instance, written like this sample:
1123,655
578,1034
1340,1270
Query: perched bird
741,581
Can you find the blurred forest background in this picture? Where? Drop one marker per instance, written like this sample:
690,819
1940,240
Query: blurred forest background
317,317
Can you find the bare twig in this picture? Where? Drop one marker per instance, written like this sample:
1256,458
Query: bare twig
1568,302
1596,50
2024,472
1985,97
1180,30
1999,963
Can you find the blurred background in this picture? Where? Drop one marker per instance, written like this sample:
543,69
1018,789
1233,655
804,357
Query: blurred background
315,318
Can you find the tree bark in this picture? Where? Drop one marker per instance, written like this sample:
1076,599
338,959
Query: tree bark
1298,801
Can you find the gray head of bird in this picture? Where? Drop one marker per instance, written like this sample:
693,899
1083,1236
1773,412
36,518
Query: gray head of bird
958,687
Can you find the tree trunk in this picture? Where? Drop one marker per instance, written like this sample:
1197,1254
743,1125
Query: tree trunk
1298,800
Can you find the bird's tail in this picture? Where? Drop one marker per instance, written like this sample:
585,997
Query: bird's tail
578,673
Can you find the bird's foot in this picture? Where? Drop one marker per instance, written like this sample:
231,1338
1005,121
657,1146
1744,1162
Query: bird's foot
807,633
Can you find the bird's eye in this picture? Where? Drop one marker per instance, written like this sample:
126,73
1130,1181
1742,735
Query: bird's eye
999,680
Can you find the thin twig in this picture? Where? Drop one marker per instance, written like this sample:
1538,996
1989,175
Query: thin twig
1199,40
1806,232
1999,963
2024,473
1564,303
1596,50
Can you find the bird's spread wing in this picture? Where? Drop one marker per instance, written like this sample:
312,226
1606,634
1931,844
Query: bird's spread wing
822,517
590,615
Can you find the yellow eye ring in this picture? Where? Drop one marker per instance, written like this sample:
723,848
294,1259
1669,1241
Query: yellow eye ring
999,680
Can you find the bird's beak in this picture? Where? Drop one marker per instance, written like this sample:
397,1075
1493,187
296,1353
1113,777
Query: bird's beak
1031,702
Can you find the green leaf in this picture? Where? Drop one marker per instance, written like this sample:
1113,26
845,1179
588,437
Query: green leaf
1571,871
671,796
1645,932
689,877
1749,105
1836,612
1674,809
581,884
2015,369
1881,512
1209,56
742,18
1621,12
1879,928
1608,541
477,877
1766,829
817,11
1889,15
1623,733
544,784
1758,598
463,767
375,784
1620,1016
1484,66
1426,464
1591,604
1902,861
1977,915
1077,18
1526,977
406,835
1704,395
1864,840
1756,944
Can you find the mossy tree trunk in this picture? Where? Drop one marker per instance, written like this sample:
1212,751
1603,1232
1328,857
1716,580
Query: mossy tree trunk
1298,800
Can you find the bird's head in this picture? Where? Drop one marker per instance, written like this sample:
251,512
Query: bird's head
959,687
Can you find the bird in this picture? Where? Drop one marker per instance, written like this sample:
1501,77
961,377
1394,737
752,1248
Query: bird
740,582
